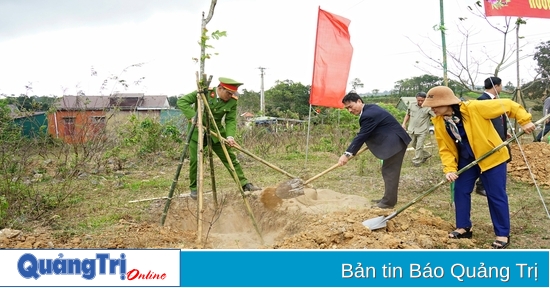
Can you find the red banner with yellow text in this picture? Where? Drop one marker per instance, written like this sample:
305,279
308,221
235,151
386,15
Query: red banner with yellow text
332,60
518,8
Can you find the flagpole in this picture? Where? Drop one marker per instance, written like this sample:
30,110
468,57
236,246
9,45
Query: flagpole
312,78
307,137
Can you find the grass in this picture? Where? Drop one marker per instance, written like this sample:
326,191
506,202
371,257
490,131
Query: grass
98,222
104,207
101,200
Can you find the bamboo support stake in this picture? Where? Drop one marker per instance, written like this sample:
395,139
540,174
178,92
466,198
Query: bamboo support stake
150,199
211,160
232,168
190,132
200,148
177,175
163,198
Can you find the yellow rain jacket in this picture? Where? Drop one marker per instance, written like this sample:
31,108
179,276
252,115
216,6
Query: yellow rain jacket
476,117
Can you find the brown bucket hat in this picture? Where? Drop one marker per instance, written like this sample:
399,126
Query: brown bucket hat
440,96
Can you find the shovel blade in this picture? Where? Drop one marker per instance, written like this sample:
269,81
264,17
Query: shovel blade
375,223
290,189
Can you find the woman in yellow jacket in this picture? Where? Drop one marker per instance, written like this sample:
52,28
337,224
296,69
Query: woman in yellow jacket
464,132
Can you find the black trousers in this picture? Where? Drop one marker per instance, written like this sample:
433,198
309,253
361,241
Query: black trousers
391,171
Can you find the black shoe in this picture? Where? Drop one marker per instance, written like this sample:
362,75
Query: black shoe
193,194
481,192
480,189
383,206
457,235
501,244
250,187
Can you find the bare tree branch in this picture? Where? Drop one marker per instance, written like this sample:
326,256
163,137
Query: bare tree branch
467,64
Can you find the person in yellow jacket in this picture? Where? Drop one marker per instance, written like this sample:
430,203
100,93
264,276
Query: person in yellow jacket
464,132
222,101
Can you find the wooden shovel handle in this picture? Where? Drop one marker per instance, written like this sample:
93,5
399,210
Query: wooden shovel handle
333,167
255,157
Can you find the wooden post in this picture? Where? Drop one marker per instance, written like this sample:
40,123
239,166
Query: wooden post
211,160
200,172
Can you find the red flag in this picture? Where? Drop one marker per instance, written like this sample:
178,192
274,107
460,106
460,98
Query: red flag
332,60
518,8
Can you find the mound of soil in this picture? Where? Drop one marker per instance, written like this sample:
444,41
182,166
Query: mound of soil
320,219
531,160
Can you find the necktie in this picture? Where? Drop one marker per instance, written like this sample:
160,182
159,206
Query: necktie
451,123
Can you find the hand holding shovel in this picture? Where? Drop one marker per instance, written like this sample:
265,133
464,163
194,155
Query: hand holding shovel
295,187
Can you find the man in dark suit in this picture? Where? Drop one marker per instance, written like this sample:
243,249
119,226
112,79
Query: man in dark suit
384,137
493,87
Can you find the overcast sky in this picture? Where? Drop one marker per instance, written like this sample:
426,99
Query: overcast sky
55,44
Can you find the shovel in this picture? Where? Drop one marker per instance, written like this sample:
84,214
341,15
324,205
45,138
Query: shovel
288,189
380,222
295,187
237,147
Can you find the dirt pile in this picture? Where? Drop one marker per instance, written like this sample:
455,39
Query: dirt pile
414,229
535,159
320,219
331,220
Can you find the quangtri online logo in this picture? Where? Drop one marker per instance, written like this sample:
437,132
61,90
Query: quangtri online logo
94,267
31,267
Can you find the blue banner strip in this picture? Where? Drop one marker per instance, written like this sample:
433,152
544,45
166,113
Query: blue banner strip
345,268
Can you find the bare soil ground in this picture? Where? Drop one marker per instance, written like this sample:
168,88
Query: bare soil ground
535,161
320,219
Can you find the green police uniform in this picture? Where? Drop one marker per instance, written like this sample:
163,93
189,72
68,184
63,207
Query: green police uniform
219,109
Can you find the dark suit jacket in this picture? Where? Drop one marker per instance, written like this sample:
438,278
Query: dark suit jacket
381,132
500,122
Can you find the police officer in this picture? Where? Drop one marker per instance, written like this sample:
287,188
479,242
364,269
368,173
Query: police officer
223,103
